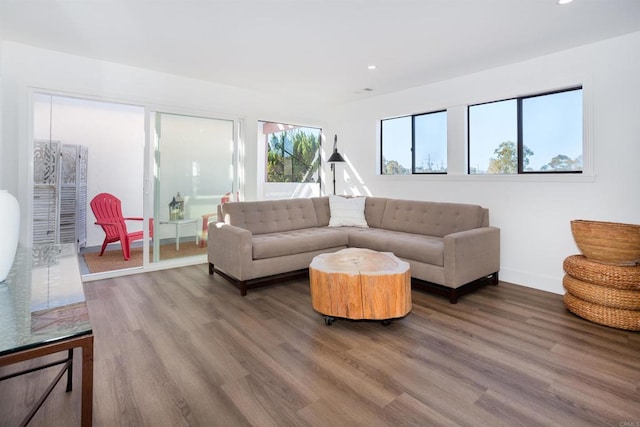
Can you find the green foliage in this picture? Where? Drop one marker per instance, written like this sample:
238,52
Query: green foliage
392,167
562,162
506,160
293,156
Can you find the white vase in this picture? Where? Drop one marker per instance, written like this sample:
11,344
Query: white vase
9,231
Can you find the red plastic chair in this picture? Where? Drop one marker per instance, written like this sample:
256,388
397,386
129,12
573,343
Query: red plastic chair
226,198
204,234
107,209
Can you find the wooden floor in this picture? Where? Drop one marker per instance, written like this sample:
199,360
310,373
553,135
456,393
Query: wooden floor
178,347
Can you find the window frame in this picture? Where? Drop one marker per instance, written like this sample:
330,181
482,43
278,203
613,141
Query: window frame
520,142
413,144
287,127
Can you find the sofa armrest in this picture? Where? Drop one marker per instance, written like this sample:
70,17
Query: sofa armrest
230,249
470,255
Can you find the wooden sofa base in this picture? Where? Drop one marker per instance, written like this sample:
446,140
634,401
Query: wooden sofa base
245,285
453,294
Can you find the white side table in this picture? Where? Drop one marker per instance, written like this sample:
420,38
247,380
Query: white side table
179,223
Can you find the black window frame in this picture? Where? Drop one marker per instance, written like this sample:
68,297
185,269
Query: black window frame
520,143
413,144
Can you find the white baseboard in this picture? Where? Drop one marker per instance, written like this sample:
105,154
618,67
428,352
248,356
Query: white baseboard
532,280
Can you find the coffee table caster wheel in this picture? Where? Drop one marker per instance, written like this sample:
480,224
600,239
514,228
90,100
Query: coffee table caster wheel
386,322
328,320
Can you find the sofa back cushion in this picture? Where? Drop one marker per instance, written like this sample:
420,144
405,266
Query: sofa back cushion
323,211
374,211
431,218
271,216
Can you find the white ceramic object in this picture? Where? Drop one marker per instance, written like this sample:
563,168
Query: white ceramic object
9,231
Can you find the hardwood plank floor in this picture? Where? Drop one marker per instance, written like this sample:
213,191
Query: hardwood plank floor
178,347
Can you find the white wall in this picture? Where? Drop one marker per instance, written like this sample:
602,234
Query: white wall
534,213
190,142
2,167
25,67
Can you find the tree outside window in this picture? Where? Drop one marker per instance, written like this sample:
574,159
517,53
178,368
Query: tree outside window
532,134
293,154
414,144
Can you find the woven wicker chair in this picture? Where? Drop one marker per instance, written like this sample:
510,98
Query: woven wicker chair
605,294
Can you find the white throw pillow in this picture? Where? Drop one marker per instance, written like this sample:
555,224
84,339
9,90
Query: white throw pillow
347,212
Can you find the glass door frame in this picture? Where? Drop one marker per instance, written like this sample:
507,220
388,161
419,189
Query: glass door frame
151,170
26,167
25,187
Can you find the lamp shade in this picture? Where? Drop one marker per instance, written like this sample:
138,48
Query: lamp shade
336,157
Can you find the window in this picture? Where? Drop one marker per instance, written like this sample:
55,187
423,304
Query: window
430,143
414,144
293,153
396,146
533,134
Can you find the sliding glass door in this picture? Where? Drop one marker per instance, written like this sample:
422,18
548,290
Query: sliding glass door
174,176
83,148
193,172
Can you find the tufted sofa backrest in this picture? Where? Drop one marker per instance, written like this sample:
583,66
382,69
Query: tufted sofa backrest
432,218
323,212
411,216
271,216
374,208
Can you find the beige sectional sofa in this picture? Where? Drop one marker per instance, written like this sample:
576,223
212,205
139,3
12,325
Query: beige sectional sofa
450,246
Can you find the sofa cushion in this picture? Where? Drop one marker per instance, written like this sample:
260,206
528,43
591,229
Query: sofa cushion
323,213
297,241
271,216
347,211
374,211
430,218
426,249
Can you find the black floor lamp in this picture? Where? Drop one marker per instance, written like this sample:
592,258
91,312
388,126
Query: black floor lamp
335,158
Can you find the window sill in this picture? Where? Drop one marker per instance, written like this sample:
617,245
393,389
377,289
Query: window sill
568,178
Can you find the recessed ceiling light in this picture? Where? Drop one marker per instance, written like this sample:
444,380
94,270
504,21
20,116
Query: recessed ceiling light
564,1
371,67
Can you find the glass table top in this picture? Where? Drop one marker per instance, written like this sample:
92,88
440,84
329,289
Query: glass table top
42,300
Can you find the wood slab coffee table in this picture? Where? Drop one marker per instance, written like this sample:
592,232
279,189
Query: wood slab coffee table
358,284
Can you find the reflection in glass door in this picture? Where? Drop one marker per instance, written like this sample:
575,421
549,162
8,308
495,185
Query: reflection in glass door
81,148
193,172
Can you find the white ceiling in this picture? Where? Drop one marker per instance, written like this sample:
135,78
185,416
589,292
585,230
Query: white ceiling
315,49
